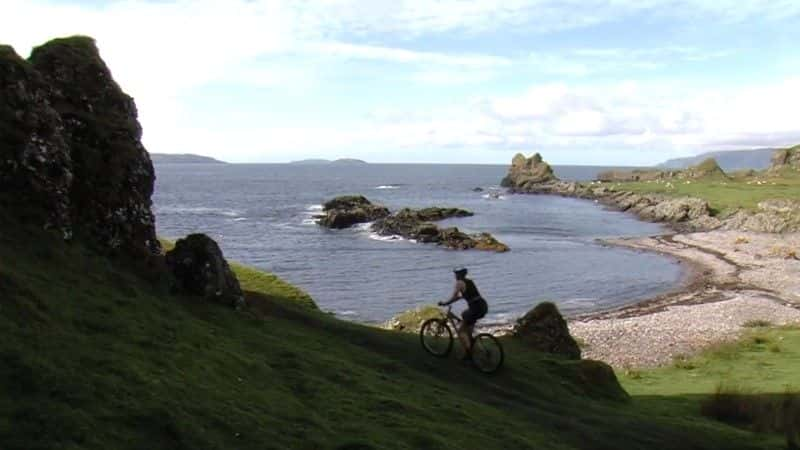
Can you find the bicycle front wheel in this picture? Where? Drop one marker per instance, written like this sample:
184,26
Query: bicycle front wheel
487,353
436,337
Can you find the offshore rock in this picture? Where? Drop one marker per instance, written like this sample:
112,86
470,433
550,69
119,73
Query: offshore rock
346,211
35,163
525,173
112,173
415,225
544,329
200,269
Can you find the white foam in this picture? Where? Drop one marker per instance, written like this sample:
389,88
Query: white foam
239,219
392,238
199,210
309,222
388,186
366,226
494,197
314,208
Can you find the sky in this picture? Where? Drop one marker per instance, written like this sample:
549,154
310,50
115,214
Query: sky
596,82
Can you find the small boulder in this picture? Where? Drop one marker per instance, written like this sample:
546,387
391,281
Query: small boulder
545,330
200,269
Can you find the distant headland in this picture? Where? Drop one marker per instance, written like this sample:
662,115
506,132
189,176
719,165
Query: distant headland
341,161
184,158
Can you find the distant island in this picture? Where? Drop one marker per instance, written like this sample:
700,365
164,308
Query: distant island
341,161
757,159
185,158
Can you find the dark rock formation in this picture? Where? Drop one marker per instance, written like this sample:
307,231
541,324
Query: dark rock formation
525,173
70,148
544,329
346,211
416,225
113,175
35,163
199,268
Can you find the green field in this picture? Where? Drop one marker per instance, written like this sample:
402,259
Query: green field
94,357
724,195
755,379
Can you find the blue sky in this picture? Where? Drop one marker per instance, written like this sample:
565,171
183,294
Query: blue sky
581,81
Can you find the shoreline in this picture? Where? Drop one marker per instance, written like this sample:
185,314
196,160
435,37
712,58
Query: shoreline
733,277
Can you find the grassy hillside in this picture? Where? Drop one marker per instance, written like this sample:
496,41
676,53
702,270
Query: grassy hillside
752,383
94,357
725,196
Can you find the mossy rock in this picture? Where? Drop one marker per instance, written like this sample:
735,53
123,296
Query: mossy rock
411,320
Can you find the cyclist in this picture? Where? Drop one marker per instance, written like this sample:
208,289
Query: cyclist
465,288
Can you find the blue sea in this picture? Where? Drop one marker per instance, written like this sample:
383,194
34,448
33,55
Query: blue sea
262,215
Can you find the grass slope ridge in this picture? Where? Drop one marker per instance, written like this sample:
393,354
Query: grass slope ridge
93,357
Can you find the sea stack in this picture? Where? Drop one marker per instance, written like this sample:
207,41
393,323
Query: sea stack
528,174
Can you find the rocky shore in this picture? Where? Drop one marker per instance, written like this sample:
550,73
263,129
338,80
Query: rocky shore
412,224
735,279
686,214
742,269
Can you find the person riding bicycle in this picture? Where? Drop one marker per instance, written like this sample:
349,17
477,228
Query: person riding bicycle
477,307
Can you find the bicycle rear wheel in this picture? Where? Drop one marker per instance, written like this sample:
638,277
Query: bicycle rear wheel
487,353
436,337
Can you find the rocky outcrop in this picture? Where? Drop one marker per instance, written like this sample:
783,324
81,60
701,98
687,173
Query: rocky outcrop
544,329
413,224
704,170
35,161
346,211
113,175
709,168
411,321
527,173
71,151
416,225
200,269
787,158
772,216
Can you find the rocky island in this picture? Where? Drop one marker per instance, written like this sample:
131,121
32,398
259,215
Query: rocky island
183,158
417,225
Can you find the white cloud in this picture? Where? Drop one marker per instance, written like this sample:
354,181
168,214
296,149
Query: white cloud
160,52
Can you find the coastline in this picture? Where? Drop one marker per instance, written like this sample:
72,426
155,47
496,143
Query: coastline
733,278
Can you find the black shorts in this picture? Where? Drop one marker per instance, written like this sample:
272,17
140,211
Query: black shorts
477,309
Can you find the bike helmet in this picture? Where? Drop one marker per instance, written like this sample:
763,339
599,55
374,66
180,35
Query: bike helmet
460,272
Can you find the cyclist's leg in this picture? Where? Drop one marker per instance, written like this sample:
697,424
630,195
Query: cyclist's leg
465,330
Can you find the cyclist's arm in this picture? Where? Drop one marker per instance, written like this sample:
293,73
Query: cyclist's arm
457,291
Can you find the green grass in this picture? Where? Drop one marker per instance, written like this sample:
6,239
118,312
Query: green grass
752,382
94,357
724,196
749,363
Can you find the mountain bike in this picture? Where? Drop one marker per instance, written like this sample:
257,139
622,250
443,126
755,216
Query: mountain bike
436,336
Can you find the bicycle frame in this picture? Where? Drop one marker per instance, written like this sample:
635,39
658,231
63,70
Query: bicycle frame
455,322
